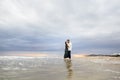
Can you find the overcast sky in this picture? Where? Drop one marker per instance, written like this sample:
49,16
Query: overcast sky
44,25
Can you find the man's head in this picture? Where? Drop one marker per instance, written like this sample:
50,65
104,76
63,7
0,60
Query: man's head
68,40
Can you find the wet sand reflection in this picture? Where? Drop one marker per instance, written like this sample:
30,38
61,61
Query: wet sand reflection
69,68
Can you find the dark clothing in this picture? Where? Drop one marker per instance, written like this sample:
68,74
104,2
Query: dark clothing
66,47
67,53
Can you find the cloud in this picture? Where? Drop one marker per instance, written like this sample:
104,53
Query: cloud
45,24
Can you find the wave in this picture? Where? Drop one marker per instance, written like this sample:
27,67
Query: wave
27,57
105,61
108,70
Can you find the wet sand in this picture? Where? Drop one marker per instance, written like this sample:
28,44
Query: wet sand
54,67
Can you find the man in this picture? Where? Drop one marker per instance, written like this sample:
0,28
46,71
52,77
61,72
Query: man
68,48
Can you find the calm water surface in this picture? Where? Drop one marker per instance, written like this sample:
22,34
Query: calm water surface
56,68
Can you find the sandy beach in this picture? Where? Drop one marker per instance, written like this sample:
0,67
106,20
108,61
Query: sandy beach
54,67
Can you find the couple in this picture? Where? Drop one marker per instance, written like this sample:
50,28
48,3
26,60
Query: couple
68,48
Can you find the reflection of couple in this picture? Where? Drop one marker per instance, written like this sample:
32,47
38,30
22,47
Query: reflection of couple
69,68
68,48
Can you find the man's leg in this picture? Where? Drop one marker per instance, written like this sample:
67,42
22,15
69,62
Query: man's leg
69,54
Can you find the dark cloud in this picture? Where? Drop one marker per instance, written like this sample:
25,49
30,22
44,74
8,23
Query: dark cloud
44,25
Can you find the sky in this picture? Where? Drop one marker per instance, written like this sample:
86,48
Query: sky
93,26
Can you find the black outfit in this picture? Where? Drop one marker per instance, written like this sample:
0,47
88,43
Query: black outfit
67,53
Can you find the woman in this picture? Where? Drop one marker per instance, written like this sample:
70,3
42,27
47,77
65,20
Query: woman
68,48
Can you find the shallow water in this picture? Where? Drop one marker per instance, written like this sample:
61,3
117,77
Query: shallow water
56,68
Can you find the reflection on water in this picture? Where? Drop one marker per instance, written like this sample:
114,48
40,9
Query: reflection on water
69,68
55,68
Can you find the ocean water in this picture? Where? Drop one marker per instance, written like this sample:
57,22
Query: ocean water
56,68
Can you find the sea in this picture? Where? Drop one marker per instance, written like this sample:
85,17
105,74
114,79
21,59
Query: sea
55,67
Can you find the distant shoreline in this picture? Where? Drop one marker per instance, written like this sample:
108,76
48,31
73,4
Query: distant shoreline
116,55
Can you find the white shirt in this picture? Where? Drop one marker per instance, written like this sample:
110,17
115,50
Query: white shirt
69,46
